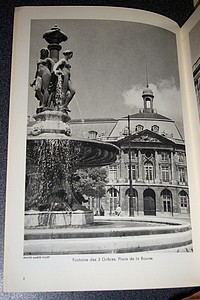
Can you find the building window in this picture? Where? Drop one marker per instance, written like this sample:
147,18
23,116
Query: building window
92,134
113,173
184,202
182,175
183,199
133,172
133,169
155,128
113,200
165,174
167,197
149,171
139,128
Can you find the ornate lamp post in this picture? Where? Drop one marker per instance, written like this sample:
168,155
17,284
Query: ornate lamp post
131,213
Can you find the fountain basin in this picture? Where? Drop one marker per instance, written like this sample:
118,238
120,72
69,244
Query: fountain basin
161,235
88,153
56,219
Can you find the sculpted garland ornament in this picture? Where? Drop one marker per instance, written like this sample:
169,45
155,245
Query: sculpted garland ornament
146,138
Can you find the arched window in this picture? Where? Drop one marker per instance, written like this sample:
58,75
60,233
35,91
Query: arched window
183,196
92,134
114,200
149,171
167,200
149,198
148,102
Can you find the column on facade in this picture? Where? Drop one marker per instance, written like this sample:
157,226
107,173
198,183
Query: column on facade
159,204
124,203
157,178
185,167
176,205
140,176
122,167
140,192
172,168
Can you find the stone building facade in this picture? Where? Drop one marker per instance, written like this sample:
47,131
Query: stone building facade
158,163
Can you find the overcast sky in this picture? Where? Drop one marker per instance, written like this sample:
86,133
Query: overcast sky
109,67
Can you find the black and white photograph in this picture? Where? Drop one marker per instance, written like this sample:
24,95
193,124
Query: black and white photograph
106,168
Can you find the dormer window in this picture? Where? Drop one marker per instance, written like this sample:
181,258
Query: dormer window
139,128
155,128
92,134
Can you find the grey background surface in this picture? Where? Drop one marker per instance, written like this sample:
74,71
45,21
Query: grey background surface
178,10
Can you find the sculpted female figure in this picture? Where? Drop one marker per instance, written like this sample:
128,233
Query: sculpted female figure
62,67
43,77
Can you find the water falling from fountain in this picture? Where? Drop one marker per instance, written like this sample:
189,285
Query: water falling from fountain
83,133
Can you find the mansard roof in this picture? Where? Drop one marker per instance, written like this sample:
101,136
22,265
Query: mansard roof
102,126
148,116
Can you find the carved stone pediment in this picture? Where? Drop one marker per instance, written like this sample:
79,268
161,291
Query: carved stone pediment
146,137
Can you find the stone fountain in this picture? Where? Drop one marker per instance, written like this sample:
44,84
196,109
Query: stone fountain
53,155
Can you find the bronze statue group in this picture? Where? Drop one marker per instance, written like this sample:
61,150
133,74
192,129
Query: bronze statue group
53,86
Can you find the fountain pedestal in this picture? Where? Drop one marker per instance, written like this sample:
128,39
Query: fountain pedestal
57,219
80,217
53,123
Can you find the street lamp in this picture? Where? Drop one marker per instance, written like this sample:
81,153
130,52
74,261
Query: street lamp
130,171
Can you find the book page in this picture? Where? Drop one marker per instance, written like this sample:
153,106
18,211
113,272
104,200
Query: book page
102,178
190,54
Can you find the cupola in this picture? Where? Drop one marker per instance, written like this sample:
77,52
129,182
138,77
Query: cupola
148,96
